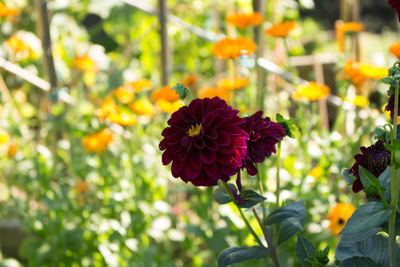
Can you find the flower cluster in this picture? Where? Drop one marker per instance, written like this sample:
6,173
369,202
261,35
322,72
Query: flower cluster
311,91
281,29
97,142
243,21
234,47
358,72
207,141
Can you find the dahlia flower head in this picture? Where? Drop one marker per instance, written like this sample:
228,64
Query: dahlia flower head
390,105
264,134
374,159
205,142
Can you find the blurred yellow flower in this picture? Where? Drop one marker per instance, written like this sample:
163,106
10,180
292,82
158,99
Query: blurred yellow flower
242,21
143,107
85,64
234,47
166,93
373,72
81,186
211,92
20,48
359,72
357,100
316,172
281,29
107,107
97,142
124,94
312,91
12,149
395,49
123,118
339,216
169,107
140,85
19,96
387,113
190,80
231,84
6,11
4,138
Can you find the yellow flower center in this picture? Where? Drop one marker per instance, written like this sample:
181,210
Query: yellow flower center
194,130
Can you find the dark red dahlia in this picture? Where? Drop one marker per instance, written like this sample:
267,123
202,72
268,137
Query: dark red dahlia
395,4
374,158
264,134
205,142
390,106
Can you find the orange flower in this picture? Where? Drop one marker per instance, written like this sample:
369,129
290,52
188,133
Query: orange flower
357,100
211,92
359,72
166,93
316,172
234,47
395,49
124,94
12,149
343,28
97,142
339,216
281,29
81,186
230,84
107,107
143,107
6,11
85,64
190,80
141,85
242,21
169,107
20,48
312,91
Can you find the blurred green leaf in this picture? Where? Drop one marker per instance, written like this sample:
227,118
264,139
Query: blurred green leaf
251,198
240,254
304,250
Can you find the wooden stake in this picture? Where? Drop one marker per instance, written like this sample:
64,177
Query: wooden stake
165,64
322,106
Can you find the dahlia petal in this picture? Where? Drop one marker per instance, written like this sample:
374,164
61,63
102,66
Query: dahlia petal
207,157
176,168
163,145
199,143
187,141
212,144
357,186
190,173
167,156
210,169
224,138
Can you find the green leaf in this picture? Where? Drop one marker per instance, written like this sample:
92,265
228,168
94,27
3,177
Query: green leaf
384,181
387,80
221,196
251,198
305,250
370,182
280,214
350,178
240,254
354,238
288,124
287,228
366,217
182,90
359,261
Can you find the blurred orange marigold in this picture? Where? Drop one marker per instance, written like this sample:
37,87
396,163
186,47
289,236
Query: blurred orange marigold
166,93
124,94
234,47
231,84
169,107
141,85
339,216
242,20
143,107
281,29
342,28
6,11
123,118
97,142
211,92
85,64
312,91
357,100
190,80
395,49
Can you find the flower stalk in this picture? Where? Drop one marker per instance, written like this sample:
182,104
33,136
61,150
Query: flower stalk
260,186
278,167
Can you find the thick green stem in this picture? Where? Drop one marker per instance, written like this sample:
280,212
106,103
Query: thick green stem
271,247
394,187
242,214
278,167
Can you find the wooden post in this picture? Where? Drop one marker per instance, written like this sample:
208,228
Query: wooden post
259,6
344,10
165,64
356,18
219,63
319,78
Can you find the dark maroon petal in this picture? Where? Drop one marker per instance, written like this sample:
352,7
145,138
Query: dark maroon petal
167,156
208,156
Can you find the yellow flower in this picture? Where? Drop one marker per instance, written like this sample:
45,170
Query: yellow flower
4,138
85,64
19,96
234,47
395,49
359,72
373,72
357,100
242,21
97,142
339,216
211,92
123,118
316,172
124,94
20,48
312,91
81,186
12,149
387,113
143,107
281,29
190,80
169,107
166,93
107,107
6,11
231,84
141,85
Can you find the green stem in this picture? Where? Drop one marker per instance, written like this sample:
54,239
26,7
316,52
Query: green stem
394,187
278,167
228,189
260,186
271,247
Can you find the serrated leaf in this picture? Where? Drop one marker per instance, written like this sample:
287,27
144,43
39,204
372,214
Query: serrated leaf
240,254
287,228
305,250
280,214
251,198
366,217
